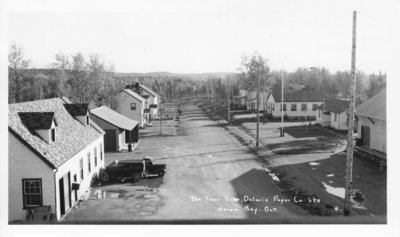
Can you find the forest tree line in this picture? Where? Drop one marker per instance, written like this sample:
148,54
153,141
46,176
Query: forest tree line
92,80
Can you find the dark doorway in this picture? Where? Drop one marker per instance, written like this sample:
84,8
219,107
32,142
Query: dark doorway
365,136
110,140
62,200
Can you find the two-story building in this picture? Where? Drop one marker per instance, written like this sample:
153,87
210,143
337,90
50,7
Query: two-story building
55,153
131,105
152,98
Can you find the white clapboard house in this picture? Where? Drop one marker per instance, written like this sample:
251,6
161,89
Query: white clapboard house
55,153
297,103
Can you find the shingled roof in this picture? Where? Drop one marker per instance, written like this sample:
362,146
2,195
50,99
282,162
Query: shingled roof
375,107
303,95
336,106
72,136
37,120
114,118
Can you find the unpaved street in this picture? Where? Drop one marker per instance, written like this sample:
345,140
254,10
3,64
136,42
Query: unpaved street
211,177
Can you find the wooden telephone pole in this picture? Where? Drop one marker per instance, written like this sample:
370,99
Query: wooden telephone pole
350,145
229,102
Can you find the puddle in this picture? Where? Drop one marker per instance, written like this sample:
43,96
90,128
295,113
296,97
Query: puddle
274,177
314,163
330,175
338,192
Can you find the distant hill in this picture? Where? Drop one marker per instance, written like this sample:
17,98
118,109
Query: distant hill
198,76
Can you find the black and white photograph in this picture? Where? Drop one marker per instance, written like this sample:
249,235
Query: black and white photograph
205,113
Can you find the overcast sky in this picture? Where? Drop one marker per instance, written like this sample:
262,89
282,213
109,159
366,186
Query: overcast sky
211,36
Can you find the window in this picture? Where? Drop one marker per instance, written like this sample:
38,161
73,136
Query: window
88,159
32,192
87,120
95,156
75,178
53,134
101,151
81,167
303,107
335,117
284,107
314,107
133,106
293,107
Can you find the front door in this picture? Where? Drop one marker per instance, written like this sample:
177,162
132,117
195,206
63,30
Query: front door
65,193
62,200
110,140
365,136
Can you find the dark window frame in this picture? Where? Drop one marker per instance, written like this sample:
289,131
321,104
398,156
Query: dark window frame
53,134
293,107
87,120
25,206
89,163
95,157
304,107
81,167
134,106
101,151
314,107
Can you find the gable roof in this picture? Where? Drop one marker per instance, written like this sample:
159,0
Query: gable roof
336,106
375,107
77,109
303,95
134,95
114,118
148,90
37,120
72,136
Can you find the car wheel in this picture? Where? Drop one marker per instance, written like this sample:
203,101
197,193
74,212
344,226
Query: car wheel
104,176
160,173
136,177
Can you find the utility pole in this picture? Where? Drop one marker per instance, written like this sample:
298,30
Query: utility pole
349,160
161,117
258,110
229,102
282,131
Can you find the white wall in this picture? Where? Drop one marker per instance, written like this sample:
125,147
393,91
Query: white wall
123,105
323,119
341,121
377,133
72,166
276,112
24,164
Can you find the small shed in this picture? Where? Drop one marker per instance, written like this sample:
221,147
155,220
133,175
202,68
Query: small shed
121,131
334,113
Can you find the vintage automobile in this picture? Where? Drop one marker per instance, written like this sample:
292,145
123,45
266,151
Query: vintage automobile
134,169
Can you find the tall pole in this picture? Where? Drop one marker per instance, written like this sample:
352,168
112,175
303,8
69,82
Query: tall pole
258,110
229,102
160,117
282,131
215,100
349,160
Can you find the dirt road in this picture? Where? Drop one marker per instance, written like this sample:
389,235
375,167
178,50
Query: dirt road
211,177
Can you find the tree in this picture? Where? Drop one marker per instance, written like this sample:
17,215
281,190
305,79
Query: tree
376,83
17,64
79,79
